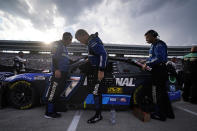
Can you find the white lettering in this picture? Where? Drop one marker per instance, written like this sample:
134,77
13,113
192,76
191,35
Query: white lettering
113,99
119,81
125,82
53,91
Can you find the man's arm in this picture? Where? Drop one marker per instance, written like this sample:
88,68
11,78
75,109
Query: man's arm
55,60
160,54
99,50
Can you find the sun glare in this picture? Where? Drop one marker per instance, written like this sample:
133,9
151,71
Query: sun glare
48,38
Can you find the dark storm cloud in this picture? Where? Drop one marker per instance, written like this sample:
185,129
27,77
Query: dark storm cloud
142,7
69,9
175,20
181,23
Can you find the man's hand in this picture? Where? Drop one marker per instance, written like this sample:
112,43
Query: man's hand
100,75
144,67
142,61
57,74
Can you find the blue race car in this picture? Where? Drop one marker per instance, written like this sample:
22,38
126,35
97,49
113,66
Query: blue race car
126,84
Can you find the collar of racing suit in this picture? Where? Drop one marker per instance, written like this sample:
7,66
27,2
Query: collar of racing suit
92,36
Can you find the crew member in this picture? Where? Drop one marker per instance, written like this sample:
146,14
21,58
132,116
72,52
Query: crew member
19,63
157,61
60,68
97,58
189,74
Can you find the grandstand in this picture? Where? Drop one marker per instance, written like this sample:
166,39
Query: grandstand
39,52
78,49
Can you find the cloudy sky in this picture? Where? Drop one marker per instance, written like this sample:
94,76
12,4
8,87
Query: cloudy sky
117,21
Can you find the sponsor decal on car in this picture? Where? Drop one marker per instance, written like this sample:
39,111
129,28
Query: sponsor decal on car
118,99
114,90
112,99
125,82
174,96
39,78
123,100
74,82
172,88
26,107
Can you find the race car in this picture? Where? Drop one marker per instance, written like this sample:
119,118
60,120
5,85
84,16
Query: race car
126,84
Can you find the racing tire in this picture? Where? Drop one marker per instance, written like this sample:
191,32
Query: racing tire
22,95
142,98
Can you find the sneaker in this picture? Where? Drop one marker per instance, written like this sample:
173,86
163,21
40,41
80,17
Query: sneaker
95,119
157,117
52,115
186,99
171,116
58,113
193,101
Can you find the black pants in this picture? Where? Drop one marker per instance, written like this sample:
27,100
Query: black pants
193,91
163,104
54,91
187,86
92,77
190,81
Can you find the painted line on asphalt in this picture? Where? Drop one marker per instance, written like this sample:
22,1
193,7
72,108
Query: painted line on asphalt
186,110
75,121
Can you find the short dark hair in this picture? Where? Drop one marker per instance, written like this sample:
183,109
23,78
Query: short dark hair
194,49
20,53
66,36
152,32
80,32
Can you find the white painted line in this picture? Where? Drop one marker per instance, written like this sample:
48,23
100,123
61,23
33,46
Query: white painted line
186,110
75,121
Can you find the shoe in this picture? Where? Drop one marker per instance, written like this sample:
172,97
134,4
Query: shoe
95,119
52,115
171,116
193,101
58,113
158,117
186,99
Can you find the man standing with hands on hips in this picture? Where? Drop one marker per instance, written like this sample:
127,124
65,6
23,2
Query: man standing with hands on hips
97,59
157,61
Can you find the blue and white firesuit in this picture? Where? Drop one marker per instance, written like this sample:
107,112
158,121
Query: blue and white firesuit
97,58
157,61
60,61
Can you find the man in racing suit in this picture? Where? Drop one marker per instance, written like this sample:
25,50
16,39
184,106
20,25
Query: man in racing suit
157,61
97,58
19,63
60,67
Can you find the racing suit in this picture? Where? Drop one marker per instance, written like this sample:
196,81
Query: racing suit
60,61
157,61
19,64
97,58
